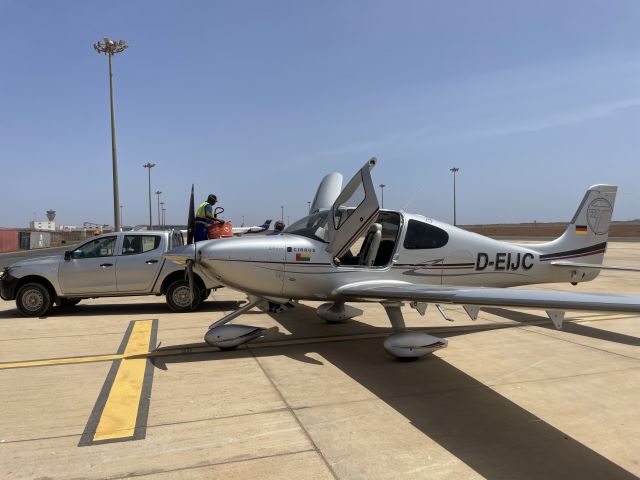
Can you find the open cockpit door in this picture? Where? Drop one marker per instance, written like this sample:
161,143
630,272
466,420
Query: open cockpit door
353,211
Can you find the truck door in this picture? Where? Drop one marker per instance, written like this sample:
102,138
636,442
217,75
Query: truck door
355,209
91,268
139,262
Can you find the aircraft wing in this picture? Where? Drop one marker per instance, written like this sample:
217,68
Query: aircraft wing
596,266
491,297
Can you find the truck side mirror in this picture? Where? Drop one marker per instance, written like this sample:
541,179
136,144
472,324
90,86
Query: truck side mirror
67,255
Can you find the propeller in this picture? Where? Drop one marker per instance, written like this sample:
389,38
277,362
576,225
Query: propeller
188,272
191,222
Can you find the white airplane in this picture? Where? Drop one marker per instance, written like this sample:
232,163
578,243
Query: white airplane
237,231
348,250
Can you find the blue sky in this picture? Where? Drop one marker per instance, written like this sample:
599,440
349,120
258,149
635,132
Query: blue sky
256,101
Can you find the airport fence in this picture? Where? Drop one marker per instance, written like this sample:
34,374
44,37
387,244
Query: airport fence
12,240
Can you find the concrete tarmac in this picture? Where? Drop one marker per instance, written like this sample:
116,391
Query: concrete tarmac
122,388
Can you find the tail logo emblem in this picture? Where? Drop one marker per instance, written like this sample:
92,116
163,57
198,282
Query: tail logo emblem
599,215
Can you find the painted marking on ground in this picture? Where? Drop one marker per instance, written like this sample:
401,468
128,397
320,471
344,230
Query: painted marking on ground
121,411
60,361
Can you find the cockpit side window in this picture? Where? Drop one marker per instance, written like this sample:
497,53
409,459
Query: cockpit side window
313,226
421,235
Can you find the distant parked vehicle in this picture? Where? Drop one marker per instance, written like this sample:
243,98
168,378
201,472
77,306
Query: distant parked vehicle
109,265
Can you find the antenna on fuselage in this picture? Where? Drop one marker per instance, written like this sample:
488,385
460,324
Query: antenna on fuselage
404,209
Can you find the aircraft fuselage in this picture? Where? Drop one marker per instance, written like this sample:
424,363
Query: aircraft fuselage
298,267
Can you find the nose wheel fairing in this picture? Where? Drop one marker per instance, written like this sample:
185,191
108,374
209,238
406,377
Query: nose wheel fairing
228,337
337,312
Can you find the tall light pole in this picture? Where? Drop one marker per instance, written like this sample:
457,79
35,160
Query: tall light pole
150,165
382,185
110,48
121,214
454,170
282,212
158,193
162,215
242,221
309,205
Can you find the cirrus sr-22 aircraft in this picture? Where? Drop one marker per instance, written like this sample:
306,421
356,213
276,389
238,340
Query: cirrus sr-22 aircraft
349,250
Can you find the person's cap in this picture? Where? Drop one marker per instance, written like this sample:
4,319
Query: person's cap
212,199
279,226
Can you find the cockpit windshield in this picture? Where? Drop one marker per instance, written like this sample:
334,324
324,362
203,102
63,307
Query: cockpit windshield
313,226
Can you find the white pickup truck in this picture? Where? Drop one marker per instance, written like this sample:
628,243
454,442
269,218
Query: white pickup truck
110,265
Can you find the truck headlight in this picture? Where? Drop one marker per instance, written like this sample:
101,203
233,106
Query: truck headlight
4,272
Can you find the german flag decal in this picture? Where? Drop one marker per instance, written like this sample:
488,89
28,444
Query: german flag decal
303,257
581,229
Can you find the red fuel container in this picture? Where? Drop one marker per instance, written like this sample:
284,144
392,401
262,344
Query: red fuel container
220,230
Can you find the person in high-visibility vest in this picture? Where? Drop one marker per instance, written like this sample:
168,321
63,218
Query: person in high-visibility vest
205,216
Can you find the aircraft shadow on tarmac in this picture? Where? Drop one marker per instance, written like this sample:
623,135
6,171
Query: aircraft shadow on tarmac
570,327
489,433
81,310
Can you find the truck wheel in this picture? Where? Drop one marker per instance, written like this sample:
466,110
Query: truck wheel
33,300
68,302
179,297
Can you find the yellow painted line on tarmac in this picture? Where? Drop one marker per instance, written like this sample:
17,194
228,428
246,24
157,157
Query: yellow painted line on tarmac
120,413
60,361
118,418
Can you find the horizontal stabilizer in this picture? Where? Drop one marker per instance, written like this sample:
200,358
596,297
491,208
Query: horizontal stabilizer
597,266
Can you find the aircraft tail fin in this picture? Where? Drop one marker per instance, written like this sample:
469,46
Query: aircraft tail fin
585,239
328,190
265,225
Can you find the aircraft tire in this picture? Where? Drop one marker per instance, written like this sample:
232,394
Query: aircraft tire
336,322
228,349
406,359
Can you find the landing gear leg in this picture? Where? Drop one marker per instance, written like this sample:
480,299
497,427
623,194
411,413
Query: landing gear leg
253,302
395,315
405,344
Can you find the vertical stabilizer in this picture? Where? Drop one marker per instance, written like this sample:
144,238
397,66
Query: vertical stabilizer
585,239
328,190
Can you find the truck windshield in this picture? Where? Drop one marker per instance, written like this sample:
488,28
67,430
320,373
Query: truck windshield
313,226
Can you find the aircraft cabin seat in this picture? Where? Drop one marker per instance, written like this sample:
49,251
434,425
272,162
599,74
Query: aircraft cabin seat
371,245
